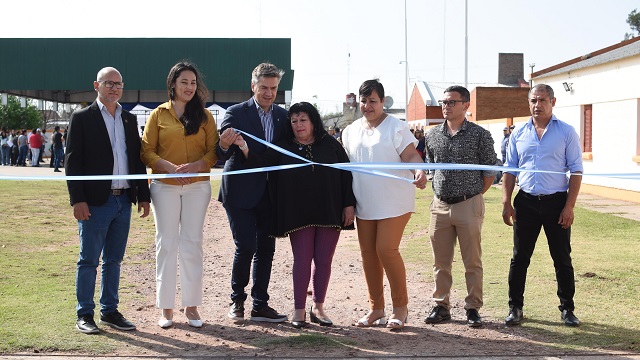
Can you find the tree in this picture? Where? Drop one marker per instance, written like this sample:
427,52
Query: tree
13,116
634,22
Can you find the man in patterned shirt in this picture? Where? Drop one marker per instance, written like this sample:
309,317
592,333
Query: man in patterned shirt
457,210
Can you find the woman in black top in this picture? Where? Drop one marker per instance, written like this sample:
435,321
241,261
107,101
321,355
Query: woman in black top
312,204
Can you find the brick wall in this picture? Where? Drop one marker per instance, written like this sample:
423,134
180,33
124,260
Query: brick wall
416,106
498,102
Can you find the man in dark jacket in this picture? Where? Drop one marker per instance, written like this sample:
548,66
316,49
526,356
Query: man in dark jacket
103,139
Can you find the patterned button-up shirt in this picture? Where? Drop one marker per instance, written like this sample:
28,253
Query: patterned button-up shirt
472,144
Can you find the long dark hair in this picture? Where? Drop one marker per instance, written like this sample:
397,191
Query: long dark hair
194,112
314,116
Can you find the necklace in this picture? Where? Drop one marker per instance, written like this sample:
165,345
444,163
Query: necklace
369,129
308,150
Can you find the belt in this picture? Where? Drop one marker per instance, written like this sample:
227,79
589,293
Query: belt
543,196
455,199
118,192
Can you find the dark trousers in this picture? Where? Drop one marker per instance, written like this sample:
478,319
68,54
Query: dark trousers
250,230
533,213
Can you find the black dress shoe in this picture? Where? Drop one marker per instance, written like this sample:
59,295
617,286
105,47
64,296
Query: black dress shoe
473,318
569,318
438,314
85,324
515,316
317,320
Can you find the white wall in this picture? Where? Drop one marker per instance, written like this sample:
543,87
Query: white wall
612,90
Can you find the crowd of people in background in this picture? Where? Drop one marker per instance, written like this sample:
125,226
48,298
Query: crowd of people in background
310,205
19,147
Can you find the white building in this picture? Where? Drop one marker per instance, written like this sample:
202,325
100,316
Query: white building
598,94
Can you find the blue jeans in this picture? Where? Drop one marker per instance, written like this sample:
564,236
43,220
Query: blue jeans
22,158
105,233
5,151
58,154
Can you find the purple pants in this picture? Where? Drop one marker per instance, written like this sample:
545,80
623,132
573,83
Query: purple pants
317,244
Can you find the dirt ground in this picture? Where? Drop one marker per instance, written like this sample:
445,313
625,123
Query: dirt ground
346,302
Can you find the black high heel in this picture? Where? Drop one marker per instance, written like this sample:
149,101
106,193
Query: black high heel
298,324
317,320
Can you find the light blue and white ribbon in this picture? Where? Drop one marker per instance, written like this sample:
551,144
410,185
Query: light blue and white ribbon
375,169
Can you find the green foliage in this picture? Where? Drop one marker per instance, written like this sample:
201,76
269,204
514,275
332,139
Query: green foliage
634,22
15,117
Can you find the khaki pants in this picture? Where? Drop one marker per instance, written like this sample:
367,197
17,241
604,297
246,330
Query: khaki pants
379,242
464,222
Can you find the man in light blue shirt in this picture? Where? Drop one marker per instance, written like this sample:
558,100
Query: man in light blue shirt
544,200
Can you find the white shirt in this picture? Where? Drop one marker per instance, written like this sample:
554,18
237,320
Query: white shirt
115,128
380,197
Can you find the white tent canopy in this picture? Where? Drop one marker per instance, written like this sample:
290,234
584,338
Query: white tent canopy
218,113
142,113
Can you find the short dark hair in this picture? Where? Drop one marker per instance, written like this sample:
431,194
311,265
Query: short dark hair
543,87
57,128
314,116
464,93
266,70
369,86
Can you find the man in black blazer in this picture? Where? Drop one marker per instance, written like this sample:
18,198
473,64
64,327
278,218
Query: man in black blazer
103,140
246,198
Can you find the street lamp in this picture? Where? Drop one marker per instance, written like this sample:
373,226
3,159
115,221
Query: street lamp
406,88
406,67
532,65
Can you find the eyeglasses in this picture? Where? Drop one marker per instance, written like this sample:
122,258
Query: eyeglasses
450,103
109,84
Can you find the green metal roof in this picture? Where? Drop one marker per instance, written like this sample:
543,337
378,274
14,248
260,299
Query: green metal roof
71,64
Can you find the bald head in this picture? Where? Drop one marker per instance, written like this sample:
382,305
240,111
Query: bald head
104,72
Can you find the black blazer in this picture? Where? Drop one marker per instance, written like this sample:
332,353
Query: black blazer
244,191
89,152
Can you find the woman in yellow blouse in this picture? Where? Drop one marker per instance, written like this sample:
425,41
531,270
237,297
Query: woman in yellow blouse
180,137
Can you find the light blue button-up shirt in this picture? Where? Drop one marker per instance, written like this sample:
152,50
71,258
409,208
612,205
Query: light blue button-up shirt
115,128
557,150
267,121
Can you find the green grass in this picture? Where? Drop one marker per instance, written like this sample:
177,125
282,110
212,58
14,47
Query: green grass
39,245
605,252
38,253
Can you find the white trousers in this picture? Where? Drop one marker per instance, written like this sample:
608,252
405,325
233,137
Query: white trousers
179,213
35,156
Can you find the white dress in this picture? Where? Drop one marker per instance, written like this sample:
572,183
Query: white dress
379,197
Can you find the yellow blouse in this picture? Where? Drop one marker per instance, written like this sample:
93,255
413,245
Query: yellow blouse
164,138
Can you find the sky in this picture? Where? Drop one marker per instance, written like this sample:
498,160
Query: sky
338,44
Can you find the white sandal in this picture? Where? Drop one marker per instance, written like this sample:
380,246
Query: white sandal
396,324
364,322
